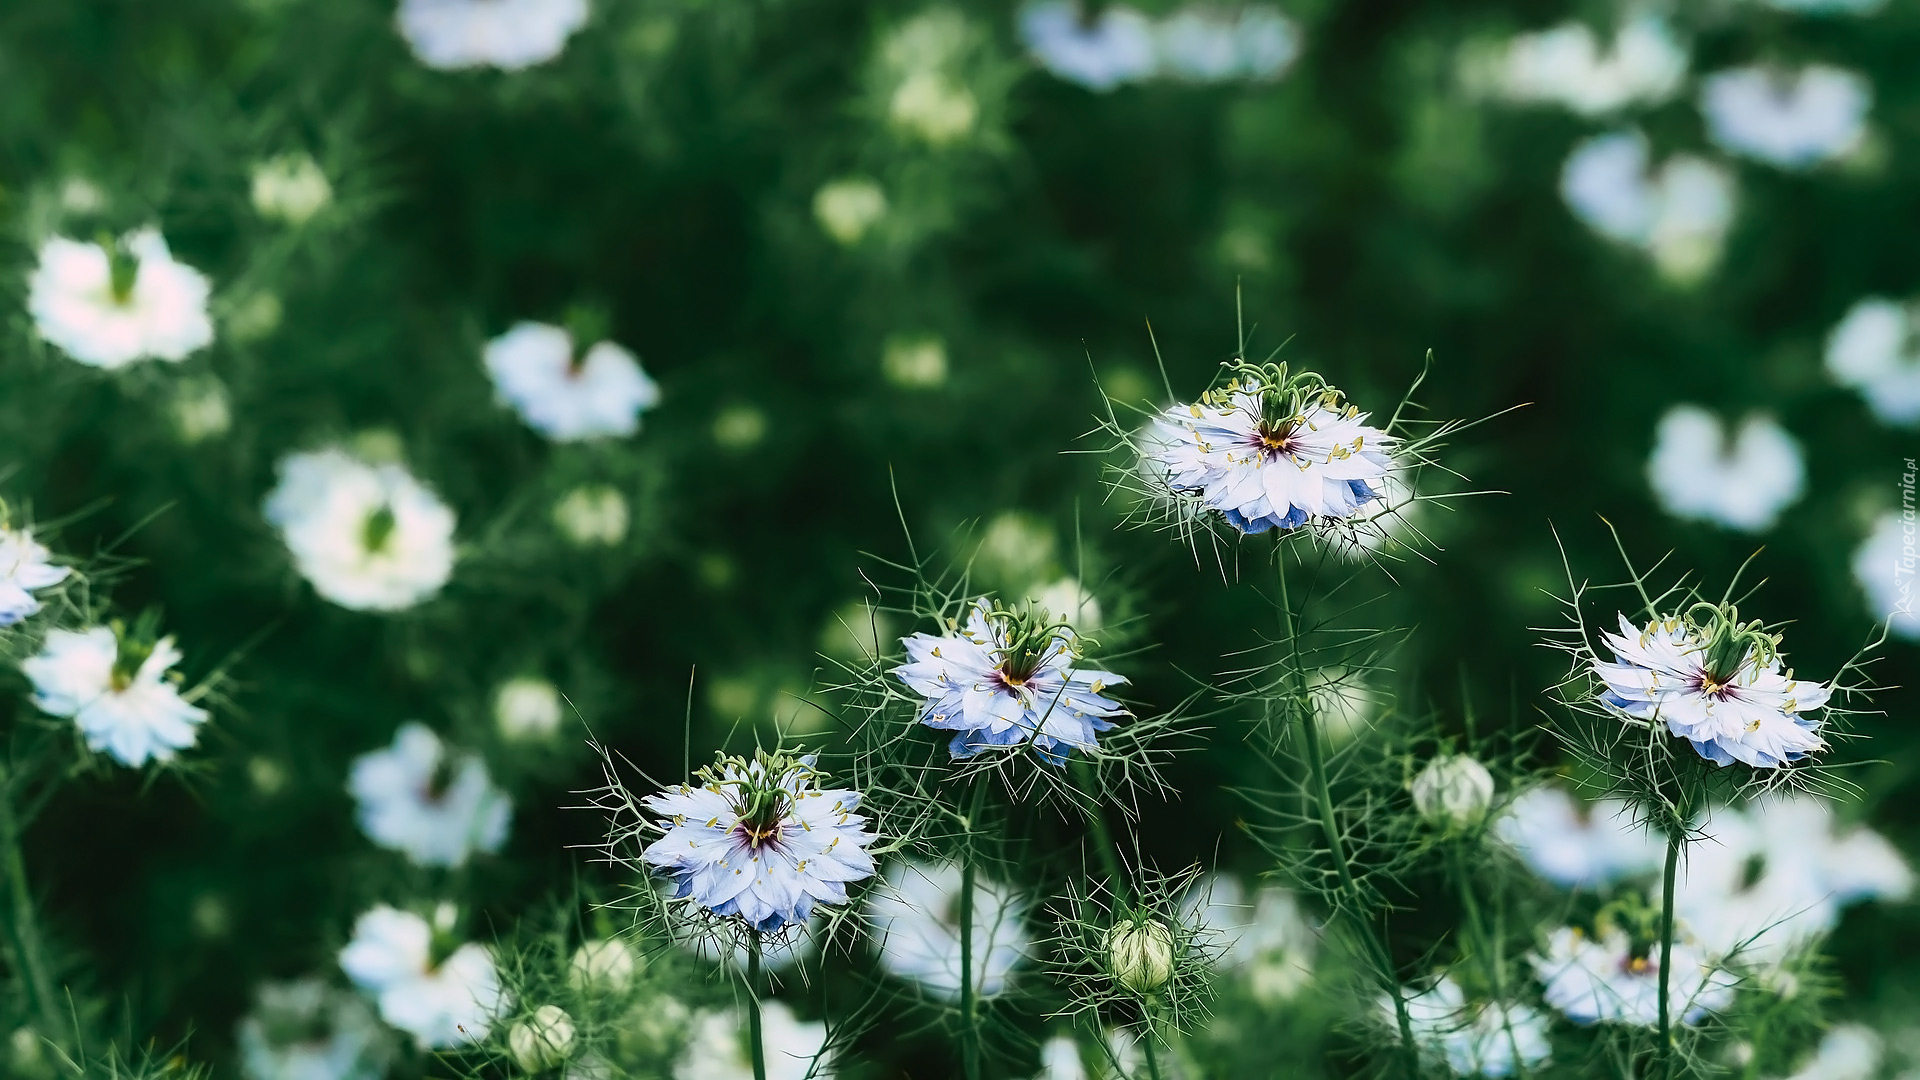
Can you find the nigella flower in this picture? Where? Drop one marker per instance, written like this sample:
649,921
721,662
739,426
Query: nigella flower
425,981
1717,684
1678,213
506,34
117,686
1883,566
1010,679
1569,66
1742,479
308,1030
1792,119
915,915
760,840
433,805
1474,1038
1577,846
1873,350
1266,938
795,1049
369,537
25,566
1098,52
565,395
1205,45
1614,977
109,303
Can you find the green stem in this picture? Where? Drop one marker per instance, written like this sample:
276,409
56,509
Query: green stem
1485,947
756,1044
1664,1050
969,1035
23,928
1153,1060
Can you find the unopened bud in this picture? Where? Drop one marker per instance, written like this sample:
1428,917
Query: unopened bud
603,965
1453,790
1140,954
542,1040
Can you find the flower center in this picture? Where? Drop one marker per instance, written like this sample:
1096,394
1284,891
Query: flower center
378,529
123,269
1276,438
439,781
131,649
762,813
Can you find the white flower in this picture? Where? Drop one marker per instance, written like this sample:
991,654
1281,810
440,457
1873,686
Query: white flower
848,207
1827,7
307,1030
25,566
118,690
760,840
1744,482
1099,53
1873,350
369,537
1453,790
506,34
1060,1060
1846,1052
291,188
1005,679
934,106
1568,66
1678,214
1608,978
201,410
565,397
543,1040
594,515
794,1049
1884,565
1792,119
1578,846
603,964
1071,603
527,707
1268,940
434,806
1268,456
441,993
915,915
107,308
1716,684
1206,45
1768,878
1474,1039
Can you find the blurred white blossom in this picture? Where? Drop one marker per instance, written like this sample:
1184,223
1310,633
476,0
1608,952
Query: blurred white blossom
1060,1060
1792,119
1884,565
716,1049
1678,214
1846,1052
1267,940
603,964
1571,66
290,188
119,689
108,304
848,207
25,568
308,1030
1206,44
434,805
505,34
1744,482
527,707
1071,603
1609,977
915,362
923,57
593,515
1874,350
369,537
201,410
434,988
568,395
1575,845
1474,1038
1098,52
915,918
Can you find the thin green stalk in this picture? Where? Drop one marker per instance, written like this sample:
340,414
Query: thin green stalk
757,1046
1153,1060
23,929
1485,948
969,1035
1664,1060
1102,835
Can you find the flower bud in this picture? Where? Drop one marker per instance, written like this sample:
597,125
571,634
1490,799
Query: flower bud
1140,954
847,208
291,188
542,1040
603,964
527,707
1453,790
594,515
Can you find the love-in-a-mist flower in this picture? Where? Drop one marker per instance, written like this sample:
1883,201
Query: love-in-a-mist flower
117,684
795,1049
1010,679
1208,45
1270,450
1883,566
527,707
1575,845
26,566
1453,791
308,1030
369,537
1098,52
1743,482
1265,938
435,805
1792,119
506,34
564,394
114,301
1473,1038
1613,976
1875,350
915,920
1678,213
1716,682
425,981
290,188
1570,66
760,840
